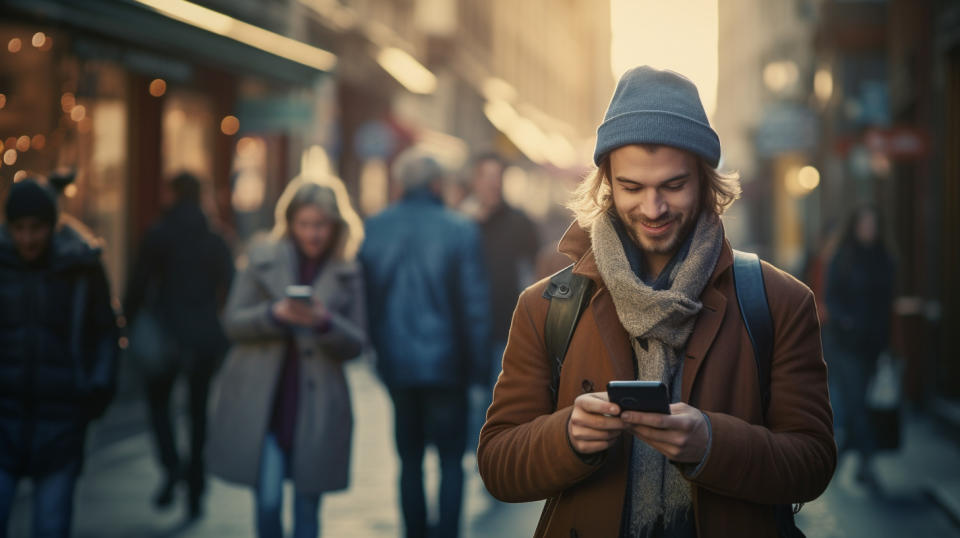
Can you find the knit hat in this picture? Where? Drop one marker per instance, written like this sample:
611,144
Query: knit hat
651,106
28,198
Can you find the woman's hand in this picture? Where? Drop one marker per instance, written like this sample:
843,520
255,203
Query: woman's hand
301,313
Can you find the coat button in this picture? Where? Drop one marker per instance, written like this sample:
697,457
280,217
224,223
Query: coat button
587,385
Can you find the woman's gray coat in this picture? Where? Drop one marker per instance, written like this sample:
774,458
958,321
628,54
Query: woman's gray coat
244,393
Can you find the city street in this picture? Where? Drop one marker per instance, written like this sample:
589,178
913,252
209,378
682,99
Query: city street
114,495
113,499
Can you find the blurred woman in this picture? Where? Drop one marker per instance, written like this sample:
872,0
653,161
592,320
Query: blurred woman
859,298
283,409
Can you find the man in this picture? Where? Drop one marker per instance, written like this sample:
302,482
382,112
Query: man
648,234
510,247
428,315
58,355
182,275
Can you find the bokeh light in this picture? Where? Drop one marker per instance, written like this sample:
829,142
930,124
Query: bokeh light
38,142
158,87
38,40
70,191
229,125
3,100
19,176
67,102
14,45
23,143
78,113
10,157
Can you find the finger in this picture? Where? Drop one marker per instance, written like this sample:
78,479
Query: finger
586,434
597,403
653,420
597,422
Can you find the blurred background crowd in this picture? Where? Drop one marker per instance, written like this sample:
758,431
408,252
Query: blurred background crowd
842,118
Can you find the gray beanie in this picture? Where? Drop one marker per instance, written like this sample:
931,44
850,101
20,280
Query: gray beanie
651,106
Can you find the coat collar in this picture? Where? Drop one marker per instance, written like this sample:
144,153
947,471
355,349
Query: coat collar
576,244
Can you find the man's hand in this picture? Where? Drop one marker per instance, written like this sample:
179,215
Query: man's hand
681,436
593,425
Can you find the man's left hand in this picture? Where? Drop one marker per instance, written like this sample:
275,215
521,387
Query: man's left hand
681,436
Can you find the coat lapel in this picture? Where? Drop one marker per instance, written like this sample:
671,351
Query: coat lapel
708,323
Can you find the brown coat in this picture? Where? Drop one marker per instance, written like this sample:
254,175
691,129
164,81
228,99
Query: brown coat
525,455
245,388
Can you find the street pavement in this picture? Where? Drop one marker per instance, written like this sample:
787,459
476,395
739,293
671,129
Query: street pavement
918,485
113,497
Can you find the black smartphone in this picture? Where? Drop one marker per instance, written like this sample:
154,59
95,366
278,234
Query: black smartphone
646,396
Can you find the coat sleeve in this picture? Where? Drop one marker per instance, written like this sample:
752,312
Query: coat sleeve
524,453
247,315
792,458
346,336
102,349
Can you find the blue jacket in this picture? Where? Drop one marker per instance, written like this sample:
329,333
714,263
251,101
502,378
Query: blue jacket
58,353
427,295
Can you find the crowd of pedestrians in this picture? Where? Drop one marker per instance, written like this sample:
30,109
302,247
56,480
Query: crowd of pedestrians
432,293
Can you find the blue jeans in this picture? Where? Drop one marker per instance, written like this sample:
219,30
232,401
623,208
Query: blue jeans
480,401
437,415
274,468
52,501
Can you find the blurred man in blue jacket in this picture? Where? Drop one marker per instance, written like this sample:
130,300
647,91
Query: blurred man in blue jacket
428,301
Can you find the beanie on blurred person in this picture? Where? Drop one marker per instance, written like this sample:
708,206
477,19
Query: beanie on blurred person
651,106
29,198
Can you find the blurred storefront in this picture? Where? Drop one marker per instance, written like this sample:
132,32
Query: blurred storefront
129,93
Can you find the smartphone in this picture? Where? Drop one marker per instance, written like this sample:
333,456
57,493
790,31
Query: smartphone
646,396
300,293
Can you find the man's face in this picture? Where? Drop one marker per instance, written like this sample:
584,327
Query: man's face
31,237
656,193
488,183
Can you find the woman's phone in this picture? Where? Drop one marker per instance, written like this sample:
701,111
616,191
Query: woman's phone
646,396
300,293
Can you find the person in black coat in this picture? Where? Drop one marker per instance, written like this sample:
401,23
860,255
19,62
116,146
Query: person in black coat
182,276
859,296
58,354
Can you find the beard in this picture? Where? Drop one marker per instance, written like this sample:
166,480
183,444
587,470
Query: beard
668,244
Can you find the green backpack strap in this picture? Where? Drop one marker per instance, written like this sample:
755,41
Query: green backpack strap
568,294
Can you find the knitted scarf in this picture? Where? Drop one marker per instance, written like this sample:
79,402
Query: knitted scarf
659,323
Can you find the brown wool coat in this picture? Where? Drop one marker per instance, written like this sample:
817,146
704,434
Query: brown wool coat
244,389
524,453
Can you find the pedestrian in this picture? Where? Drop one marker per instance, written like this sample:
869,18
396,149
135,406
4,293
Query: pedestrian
58,356
510,247
648,237
295,314
429,319
180,277
859,297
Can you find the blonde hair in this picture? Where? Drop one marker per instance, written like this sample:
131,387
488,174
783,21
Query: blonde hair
593,196
328,193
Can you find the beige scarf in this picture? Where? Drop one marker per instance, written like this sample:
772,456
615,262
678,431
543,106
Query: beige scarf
659,323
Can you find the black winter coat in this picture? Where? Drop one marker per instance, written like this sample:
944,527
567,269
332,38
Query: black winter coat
58,352
187,268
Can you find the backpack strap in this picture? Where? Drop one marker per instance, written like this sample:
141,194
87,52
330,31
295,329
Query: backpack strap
755,310
568,294
752,298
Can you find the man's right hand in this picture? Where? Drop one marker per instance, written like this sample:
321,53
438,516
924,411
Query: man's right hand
594,424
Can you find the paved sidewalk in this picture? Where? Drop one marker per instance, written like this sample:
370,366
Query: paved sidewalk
113,498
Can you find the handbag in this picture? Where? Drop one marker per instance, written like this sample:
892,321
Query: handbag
150,347
884,401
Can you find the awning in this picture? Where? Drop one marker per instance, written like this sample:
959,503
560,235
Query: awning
210,37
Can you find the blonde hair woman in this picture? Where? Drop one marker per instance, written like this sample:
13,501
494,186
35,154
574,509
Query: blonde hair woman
295,313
